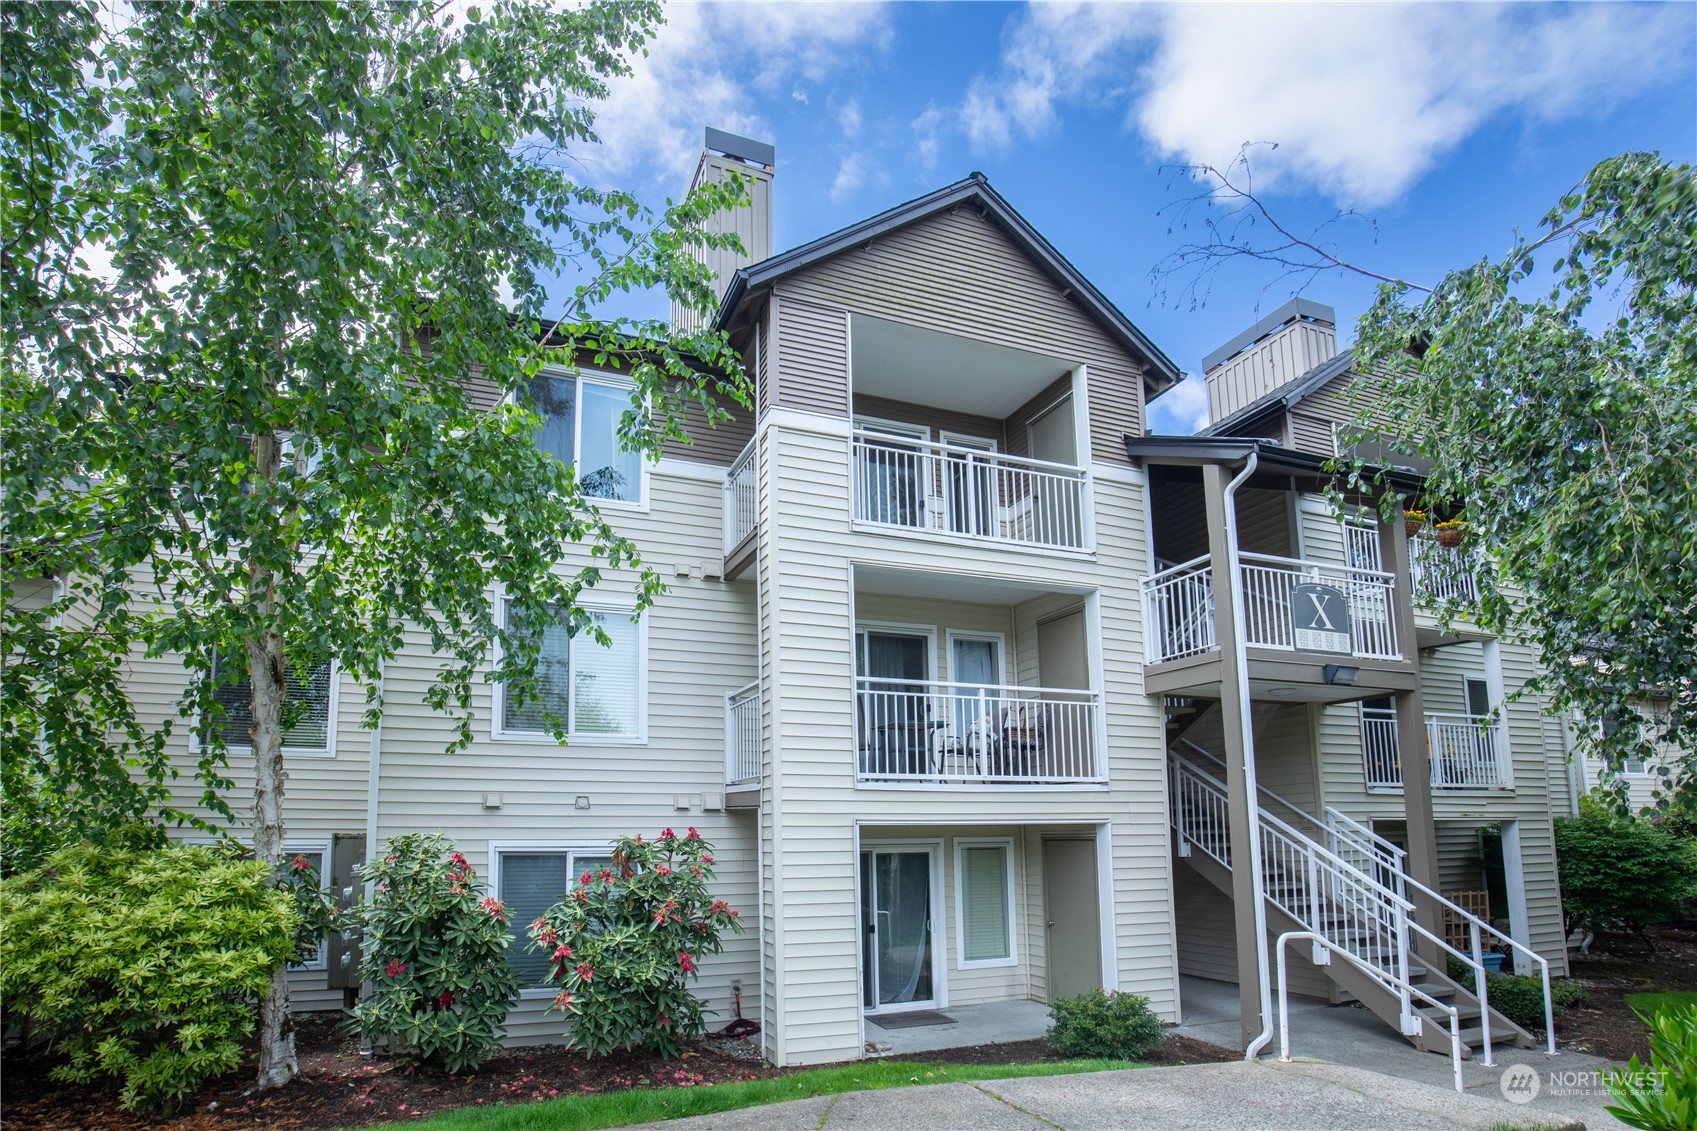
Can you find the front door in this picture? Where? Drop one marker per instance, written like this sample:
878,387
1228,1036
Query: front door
898,970
1071,916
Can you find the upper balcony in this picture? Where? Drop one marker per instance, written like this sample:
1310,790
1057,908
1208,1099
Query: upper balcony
968,493
1467,752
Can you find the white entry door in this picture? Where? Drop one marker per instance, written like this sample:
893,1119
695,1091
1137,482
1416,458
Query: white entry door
897,900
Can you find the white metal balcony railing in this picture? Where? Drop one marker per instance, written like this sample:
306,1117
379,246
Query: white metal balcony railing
1179,606
742,503
1440,573
914,484
967,734
742,736
1466,751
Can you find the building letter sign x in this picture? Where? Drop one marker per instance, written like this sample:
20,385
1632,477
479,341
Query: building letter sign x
1319,620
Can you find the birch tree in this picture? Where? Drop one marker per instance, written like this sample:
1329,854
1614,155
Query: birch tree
256,257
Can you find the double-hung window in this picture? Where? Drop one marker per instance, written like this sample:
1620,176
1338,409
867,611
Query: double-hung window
984,893
310,695
598,691
580,426
530,880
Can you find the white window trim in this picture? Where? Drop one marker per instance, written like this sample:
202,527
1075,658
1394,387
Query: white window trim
609,380
892,628
961,962
893,428
498,731
572,850
934,848
969,443
999,639
333,714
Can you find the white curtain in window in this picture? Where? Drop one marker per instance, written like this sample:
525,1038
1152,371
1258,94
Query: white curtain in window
986,921
608,680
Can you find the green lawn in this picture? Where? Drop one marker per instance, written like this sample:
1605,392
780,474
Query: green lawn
645,1105
1651,1004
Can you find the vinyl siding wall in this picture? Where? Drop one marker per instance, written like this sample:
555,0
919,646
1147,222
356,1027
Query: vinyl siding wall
811,789
961,274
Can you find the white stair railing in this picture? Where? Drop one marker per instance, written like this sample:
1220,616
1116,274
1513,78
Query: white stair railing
1357,894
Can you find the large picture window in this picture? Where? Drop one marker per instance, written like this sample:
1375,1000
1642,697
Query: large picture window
984,894
310,692
530,881
596,690
581,426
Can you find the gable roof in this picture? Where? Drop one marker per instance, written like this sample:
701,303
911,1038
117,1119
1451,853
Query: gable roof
1282,398
975,189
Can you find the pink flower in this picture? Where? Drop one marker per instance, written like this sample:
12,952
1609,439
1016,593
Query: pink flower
666,834
493,907
447,999
664,1020
585,971
693,835
395,968
607,874
662,870
687,962
584,879
707,860
300,864
538,923
562,1000
564,951
547,935
457,858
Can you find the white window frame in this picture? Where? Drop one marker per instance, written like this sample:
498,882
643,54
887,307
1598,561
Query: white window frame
892,628
571,849
498,702
333,712
961,845
608,380
999,639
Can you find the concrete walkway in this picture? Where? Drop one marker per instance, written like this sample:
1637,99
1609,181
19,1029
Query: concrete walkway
1206,1097
990,1023
1570,1085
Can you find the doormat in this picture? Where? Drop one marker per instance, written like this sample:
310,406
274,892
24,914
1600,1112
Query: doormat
914,1020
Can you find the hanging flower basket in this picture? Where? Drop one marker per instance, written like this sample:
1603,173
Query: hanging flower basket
1451,534
1412,521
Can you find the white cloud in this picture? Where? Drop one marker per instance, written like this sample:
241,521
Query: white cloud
702,67
928,131
848,118
851,174
1363,99
1182,410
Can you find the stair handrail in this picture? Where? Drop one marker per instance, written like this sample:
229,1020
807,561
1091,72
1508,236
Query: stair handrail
1476,925
1407,989
1271,796
1405,909
1314,845
1341,826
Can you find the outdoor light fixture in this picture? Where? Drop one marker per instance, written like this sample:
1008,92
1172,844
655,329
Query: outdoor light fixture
1341,674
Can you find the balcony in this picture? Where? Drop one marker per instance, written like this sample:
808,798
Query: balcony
1467,752
741,510
1178,607
1441,575
743,738
969,495
934,733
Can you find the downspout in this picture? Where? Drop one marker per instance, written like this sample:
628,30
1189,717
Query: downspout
760,680
1246,722
371,788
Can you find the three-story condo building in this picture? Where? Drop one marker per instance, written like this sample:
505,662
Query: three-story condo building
981,692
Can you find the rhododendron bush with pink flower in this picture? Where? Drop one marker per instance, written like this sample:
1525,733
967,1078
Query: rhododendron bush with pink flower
434,948
625,942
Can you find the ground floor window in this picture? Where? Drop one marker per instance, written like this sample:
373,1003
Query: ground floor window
984,883
530,881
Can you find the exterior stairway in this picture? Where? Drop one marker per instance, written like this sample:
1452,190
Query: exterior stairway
1339,880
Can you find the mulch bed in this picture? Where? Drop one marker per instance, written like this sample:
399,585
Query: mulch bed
1603,1024
340,1088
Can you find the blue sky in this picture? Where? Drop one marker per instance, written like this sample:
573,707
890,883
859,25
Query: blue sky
1448,125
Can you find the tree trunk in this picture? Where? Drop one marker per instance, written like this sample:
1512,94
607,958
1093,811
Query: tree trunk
267,665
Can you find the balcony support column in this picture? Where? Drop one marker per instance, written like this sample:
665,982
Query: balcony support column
1251,941
1413,747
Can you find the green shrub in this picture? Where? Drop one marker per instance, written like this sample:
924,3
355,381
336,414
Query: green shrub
434,946
1518,997
623,945
143,965
1661,1095
1098,1024
1621,873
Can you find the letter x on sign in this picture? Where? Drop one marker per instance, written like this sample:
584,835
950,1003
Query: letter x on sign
1319,620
